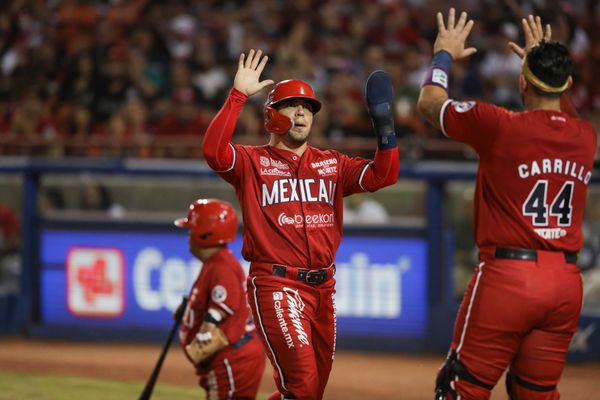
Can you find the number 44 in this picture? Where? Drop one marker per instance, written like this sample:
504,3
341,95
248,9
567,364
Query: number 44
537,208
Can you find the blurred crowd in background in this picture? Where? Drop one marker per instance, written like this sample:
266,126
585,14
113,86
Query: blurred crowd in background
141,78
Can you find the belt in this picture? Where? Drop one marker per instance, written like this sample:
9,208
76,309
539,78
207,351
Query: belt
243,340
312,276
529,254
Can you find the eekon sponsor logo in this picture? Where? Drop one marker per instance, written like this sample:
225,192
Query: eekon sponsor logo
311,220
95,282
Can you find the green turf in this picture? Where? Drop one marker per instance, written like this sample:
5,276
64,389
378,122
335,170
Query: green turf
19,386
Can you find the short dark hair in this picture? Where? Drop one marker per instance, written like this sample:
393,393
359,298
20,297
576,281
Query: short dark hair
551,63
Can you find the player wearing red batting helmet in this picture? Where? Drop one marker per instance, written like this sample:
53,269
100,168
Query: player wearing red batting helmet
522,305
217,332
287,91
292,200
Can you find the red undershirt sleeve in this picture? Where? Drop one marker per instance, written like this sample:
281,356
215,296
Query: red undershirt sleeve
218,152
383,171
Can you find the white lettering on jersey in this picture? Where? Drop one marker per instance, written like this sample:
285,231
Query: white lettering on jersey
551,233
319,220
555,166
324,163
293,189
296,309
274,171
309,195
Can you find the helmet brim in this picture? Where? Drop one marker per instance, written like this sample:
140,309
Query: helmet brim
182,222
315,105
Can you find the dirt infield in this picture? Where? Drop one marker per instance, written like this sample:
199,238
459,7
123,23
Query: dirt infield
354,376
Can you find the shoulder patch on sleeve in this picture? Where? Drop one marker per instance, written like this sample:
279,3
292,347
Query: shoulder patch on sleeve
463,106
218,294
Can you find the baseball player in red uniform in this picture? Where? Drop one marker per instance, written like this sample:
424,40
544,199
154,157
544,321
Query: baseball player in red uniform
291,196
522,305
217,332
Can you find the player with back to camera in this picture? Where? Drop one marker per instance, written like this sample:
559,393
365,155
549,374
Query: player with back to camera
217,332
292,197
522,305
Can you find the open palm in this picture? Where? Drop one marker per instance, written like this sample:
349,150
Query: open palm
534,34
249,69
452,36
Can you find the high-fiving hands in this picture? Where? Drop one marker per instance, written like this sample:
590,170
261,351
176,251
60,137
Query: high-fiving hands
534,34
452,36
249,69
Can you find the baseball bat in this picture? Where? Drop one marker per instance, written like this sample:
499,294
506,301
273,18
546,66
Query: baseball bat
147,393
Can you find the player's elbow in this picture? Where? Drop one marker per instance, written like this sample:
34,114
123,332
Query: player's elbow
424,106
430,101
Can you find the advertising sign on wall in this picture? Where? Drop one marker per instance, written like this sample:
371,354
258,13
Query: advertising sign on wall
122,279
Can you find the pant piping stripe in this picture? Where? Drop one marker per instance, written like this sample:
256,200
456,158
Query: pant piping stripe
230,378
262,327
464,330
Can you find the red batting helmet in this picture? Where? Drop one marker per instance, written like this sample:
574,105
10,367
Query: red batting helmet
211,222
285,90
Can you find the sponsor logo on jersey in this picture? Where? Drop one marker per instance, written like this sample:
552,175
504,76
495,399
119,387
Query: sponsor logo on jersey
294,307
95,282
463,106
295,310
327,171
324,163
218,294
551,233
274,171
334,325
280,315
264,161
554,166
311,220
270,162
294,189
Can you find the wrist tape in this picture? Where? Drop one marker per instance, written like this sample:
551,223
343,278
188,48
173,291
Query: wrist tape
439,70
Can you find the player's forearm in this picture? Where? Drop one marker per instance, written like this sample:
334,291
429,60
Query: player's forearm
434,88
430,103
383,171
216,149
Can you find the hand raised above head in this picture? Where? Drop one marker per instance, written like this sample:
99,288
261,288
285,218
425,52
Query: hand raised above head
249,69
534,34
453,35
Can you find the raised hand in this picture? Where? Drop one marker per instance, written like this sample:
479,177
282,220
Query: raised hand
452,37
249,69
534,34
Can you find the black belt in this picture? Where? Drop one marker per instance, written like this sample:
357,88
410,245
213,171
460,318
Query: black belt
312,276
528,254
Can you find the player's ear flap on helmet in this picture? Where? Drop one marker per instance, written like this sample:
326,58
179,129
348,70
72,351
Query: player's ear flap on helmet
276,122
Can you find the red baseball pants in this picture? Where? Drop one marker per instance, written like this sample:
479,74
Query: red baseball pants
234,373
297,326
517,314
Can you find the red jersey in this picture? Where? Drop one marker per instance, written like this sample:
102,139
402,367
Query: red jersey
221,284
291,205
533,175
